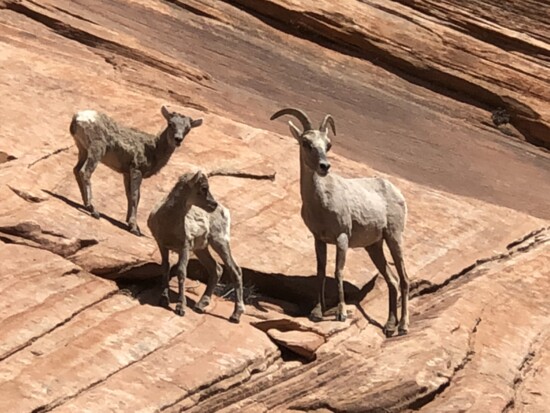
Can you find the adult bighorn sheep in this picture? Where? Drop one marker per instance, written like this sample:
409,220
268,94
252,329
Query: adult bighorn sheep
350,213
131,152
189,218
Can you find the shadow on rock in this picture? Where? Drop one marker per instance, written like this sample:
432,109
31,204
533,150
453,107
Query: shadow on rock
259,288
81,208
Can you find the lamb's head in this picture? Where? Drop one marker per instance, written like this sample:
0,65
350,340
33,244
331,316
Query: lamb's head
178,125
314,143
199,192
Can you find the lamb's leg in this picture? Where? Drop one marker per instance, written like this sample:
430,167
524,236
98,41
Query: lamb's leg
394,245
321,254
90,164
182,274
341,251
165,264
376,253
82,155
214,273
132,184
224,251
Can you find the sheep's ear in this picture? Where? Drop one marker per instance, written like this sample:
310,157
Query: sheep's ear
165,112
196,177
196,123
294,130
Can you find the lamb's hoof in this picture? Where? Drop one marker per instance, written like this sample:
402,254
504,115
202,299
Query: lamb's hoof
341,316
235,318
201,305
93,212
164,301
389,331
402,331
135,230
180,310
316,315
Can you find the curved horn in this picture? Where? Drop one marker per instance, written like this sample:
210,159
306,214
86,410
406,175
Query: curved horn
328,119
300,115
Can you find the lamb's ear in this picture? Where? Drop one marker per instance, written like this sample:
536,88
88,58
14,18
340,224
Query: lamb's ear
165,112
196,177
295,131
196,122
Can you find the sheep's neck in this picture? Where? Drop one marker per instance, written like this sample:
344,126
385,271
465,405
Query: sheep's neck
163,151
311,186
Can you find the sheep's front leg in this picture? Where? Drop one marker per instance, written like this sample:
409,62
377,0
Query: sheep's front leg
165,265
132,184
181,269
321,254
341,251
214,274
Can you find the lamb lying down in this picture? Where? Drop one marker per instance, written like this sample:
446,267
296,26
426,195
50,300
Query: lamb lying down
189,218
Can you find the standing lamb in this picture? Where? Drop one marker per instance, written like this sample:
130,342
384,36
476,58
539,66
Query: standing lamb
189,218
131,152
351,213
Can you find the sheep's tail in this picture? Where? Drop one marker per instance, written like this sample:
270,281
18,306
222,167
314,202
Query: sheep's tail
240,174
73,126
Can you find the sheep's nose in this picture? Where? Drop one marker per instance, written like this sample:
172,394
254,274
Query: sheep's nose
325,166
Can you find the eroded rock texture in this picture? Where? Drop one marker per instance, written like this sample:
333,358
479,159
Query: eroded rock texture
412,86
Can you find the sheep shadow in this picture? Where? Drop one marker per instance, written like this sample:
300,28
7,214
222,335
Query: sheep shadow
81,208
295,295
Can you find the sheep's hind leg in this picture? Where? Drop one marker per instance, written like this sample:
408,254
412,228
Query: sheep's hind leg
376,253
182,275
88,168
165,265
224,251
82,155
214,273
394,245
132,184
321,255
341,251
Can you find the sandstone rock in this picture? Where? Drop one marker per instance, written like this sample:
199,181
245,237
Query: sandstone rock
477,240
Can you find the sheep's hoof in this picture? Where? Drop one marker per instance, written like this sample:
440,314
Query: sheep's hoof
316,315
235,318
135,230
93,212
402,331
389,331
180,310
164,301
341,316
202,304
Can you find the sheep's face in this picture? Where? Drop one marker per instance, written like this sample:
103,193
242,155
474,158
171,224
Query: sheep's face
200,193
179,125
314,145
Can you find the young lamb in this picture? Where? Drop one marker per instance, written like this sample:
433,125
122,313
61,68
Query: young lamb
131,152
351,213
189,218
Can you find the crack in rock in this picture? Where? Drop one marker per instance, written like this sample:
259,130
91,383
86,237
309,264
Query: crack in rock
432,394
60,324
523,370
524,244
57,151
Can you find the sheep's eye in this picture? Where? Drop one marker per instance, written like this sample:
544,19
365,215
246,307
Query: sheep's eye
306,144
204,189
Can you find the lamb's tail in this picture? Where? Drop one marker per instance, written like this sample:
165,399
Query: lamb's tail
74,125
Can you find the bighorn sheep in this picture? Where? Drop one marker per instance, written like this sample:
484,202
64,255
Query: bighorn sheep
351,213
133,153
189,218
